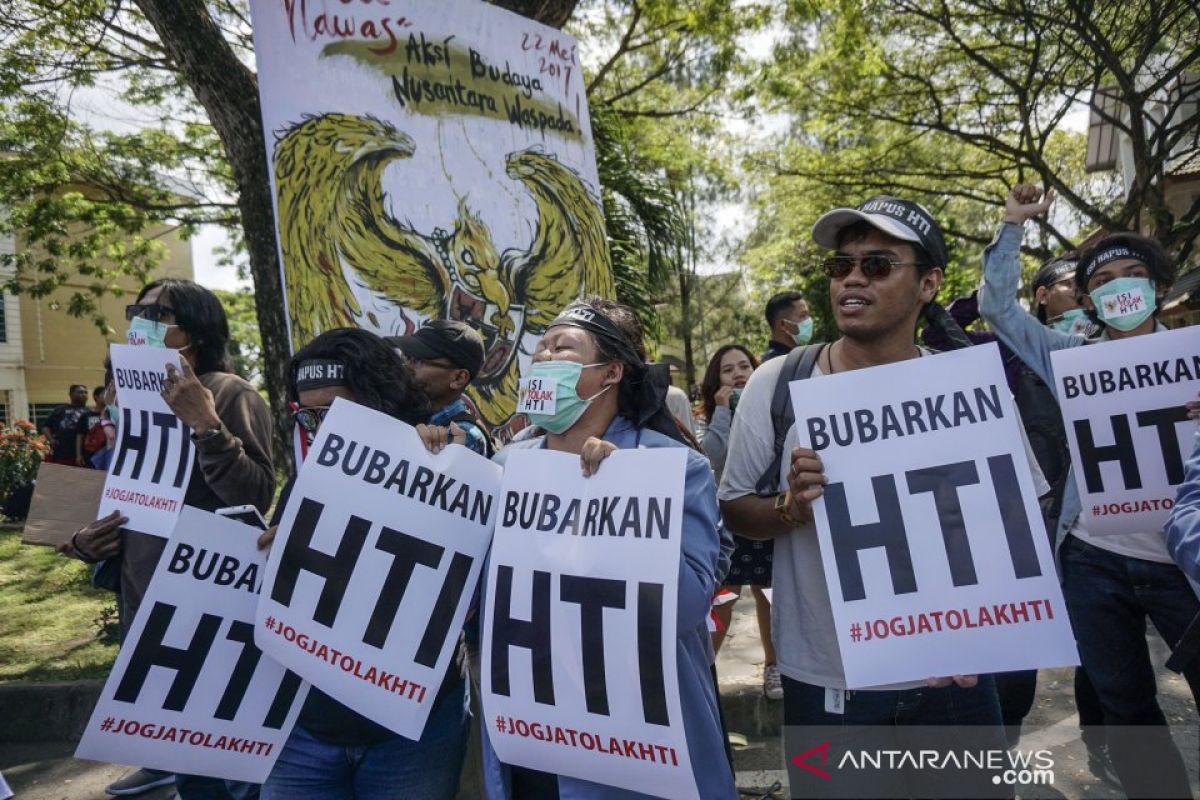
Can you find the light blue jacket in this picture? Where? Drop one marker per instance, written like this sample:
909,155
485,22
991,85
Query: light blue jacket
1183,526
693,650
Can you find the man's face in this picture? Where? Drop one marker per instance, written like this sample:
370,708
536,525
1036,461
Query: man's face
1058,298
79,396
788,323
1121,268
867,309
440,378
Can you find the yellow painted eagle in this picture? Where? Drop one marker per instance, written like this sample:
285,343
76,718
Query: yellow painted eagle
334,220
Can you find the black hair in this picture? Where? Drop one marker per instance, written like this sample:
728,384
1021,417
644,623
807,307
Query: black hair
202,317
780,303
97,392
711,382
375,373
75,386
1149,252
860,230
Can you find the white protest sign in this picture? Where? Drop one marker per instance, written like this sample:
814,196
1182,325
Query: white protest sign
536,395
375,563
190,692
149,472
934,549
1123,407
578,670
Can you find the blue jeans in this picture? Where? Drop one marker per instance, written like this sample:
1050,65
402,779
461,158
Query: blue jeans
310,769
1109,597
912,719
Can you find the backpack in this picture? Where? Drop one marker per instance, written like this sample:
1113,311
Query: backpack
797,365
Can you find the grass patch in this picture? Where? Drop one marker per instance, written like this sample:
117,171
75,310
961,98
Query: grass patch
51,619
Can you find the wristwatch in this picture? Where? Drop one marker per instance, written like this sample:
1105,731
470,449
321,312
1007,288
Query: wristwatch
211,433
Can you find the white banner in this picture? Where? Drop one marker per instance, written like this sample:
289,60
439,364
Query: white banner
149,472
934,549
375,564
579,671
1122,405
190,692
430,159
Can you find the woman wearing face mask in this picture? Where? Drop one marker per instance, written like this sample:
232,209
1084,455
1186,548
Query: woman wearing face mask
727,373
1111,584
231,434
606,398
334,752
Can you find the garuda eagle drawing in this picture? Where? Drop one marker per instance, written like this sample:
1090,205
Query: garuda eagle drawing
334,219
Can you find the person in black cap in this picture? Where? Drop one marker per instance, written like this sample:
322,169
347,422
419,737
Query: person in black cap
446,355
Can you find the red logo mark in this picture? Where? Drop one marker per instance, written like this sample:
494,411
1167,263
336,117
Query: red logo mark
802,760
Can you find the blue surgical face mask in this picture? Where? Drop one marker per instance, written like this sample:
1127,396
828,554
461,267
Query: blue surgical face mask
1124,303
144,332
804,332
563,376
1073,321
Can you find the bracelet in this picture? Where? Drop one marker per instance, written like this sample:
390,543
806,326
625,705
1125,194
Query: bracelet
783,507
211,433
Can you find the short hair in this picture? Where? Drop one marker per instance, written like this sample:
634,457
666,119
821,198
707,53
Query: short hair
99,390
75,386
202,317
376,374
780,303
1149,251
860,230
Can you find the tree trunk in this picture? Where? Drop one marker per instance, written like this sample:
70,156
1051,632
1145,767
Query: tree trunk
685,315
554,13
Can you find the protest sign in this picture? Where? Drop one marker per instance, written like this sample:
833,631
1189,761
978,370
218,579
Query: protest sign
933,546
149,473
190,692
375,563
1123,408
578,669
64,500
430,159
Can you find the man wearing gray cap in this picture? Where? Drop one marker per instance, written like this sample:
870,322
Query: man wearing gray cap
887,264
446,355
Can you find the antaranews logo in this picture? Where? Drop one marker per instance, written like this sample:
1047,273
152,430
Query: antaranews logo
801,760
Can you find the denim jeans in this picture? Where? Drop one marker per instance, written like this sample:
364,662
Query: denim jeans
1109,597
876,720
311,769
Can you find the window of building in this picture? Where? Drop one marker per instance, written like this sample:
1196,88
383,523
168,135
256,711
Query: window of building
3,322
3,413
39,412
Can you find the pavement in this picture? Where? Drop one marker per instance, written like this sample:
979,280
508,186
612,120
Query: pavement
45,770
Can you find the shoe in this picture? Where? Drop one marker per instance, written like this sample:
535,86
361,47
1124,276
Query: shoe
138,781
772,682
1100,764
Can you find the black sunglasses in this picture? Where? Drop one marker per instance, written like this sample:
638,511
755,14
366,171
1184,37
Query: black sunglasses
872,266
151,311
310,418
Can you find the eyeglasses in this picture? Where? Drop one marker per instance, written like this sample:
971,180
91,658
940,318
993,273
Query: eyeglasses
153,312
872,266
310,418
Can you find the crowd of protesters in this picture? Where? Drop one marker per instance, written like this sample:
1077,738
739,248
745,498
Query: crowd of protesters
748,492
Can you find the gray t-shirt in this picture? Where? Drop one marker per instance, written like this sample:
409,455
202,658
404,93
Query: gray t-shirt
802,626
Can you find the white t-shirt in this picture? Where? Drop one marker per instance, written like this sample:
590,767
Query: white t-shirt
802,626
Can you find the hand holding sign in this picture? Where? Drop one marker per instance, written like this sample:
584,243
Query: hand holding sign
191,400
594,451
98,541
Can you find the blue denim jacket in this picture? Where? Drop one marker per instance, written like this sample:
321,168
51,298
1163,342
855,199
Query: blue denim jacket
1183,526
693,651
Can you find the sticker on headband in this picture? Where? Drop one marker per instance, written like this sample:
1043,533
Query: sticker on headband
535,396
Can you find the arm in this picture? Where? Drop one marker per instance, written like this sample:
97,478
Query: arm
236,460
1183,526
700,547
1031,341
716,438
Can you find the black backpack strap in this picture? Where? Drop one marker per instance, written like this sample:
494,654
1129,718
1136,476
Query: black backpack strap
798,365
489,446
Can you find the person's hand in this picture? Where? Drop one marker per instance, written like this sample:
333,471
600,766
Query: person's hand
594,451
79,462
98,540
723,396
435,437
266,537
1025,202
961,681
1193,410
806,481
189,399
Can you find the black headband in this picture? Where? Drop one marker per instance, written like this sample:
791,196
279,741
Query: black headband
1098,258
318,373
599,325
